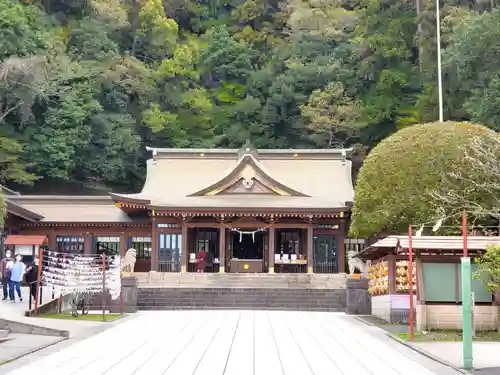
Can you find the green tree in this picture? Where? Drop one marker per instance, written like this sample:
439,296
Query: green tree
22,31
489,268
333,116
398,179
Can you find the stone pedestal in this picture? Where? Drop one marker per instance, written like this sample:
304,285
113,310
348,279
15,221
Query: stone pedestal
129,297
358,299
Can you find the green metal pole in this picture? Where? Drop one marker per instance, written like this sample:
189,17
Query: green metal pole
466,313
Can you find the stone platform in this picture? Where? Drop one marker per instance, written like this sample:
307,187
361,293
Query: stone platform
296,292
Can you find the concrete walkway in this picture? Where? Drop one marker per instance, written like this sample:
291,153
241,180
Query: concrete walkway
18,345
10,310
237,343
486,355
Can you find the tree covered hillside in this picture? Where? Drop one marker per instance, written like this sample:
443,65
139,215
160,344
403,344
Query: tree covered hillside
86,84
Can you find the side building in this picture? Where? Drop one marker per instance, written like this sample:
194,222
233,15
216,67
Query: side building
254,210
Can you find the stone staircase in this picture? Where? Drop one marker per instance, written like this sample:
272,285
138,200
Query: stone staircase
234,280
307,292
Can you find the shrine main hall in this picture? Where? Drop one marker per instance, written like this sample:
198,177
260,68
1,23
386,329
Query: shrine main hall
254,210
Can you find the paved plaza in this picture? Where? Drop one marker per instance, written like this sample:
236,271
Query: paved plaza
236,343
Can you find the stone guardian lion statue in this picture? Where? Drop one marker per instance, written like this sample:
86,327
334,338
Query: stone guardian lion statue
355,263
128,261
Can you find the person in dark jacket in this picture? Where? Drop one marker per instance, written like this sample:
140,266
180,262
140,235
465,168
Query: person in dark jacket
31,277
5,265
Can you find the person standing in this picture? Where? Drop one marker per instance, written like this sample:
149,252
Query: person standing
16,276
200,265
5,265
32,276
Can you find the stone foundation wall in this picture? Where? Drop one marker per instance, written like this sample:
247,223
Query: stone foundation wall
393,308
429,317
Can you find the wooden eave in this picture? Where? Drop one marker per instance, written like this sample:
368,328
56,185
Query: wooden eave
247,159
123,201
372,253
137,224
15,209
241,211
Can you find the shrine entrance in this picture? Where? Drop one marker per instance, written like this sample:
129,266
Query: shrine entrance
247,251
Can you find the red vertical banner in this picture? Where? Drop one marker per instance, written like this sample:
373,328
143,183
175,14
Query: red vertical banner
410,280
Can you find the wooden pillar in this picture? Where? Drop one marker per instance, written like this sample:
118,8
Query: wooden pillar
341,248
87,244
222,249
185,247
309,247
391,264
52,240
123,242
271,249
154,243
420,279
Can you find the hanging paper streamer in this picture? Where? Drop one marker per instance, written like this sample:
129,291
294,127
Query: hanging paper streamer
242,232
73,273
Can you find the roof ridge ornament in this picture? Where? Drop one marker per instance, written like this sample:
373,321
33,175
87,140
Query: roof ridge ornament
247,149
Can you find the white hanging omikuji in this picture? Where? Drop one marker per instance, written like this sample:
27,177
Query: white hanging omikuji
68,273
113,278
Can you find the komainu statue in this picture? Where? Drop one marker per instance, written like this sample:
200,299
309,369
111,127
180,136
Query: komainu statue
355,263
128,261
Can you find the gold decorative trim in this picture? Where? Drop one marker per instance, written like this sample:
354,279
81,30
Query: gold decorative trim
183,269
221,269
271,269
280,192
310,270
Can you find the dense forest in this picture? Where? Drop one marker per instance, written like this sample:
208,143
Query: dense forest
86,84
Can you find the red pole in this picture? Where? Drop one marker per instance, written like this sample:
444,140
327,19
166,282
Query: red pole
410,278
38,279
464,233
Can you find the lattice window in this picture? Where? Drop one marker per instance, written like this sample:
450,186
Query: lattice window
70,244
143,246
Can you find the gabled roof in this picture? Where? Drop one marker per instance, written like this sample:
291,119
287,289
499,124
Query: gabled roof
248,169
318,180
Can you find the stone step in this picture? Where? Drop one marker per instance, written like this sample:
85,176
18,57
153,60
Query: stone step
241,298
317,281
243,286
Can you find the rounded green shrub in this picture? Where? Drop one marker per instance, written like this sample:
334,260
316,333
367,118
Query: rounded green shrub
395,184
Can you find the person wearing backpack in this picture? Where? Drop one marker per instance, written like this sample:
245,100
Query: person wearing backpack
5,266
31,277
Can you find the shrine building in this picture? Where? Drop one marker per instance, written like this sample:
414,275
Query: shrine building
261,211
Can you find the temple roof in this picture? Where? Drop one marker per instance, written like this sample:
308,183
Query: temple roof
15,209
246,178
60,208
